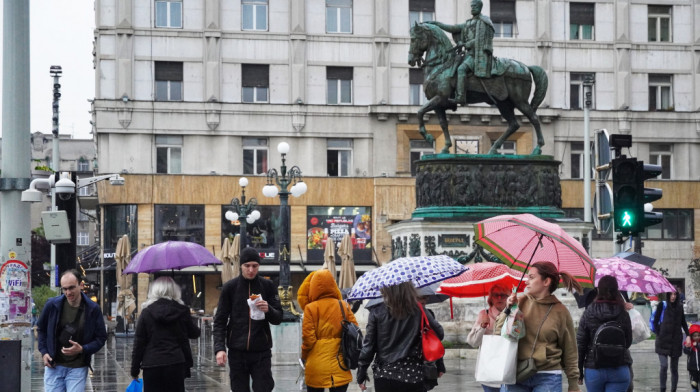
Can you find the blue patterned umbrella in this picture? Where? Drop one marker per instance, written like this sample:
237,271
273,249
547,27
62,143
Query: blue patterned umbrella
422,271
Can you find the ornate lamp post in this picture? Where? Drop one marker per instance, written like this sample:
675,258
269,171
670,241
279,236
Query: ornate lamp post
246,212
283,179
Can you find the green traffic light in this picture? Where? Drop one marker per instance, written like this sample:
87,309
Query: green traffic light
626,219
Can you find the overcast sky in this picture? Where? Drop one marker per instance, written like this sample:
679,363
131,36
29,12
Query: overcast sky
61,33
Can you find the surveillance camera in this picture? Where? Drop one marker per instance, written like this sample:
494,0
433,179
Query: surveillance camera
117,181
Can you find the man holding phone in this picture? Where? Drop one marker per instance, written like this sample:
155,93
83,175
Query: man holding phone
71,328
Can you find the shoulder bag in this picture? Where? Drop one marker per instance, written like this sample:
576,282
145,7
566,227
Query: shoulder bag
526,368
432,346
350,343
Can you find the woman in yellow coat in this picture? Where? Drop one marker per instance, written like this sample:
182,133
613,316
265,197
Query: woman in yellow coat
321,300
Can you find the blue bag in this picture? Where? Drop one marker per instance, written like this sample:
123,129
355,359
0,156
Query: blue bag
661,319
135,386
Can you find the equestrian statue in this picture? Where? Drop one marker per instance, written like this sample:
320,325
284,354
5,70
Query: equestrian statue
480,77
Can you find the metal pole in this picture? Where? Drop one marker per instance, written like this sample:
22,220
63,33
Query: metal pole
15,238
587,96
55,71
242,216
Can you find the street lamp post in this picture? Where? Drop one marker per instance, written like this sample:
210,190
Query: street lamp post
246,212
283,179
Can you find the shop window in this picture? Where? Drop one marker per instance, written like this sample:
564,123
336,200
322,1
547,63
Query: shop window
326,223
179,223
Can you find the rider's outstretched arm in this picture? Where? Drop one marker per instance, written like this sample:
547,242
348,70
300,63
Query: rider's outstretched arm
446,27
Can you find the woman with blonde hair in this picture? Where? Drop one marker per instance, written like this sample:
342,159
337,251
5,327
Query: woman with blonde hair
485,322
392,342
161,345
550,338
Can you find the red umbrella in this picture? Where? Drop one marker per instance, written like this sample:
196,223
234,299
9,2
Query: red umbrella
515,239
477,281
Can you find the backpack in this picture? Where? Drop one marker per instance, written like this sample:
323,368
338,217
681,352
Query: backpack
609,345
653,326
350,343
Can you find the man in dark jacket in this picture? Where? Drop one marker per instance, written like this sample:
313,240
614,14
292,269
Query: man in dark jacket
249,341
70,329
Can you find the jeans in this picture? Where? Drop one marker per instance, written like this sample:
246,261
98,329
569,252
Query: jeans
490,389
615,379
663,371
61,378
246,365
540,382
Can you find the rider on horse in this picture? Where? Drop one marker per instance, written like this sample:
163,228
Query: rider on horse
476,36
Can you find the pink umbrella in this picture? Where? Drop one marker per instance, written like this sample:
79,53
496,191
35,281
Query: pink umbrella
515,239
632,276
477,281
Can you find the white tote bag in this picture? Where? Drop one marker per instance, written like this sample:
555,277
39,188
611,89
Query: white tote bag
496,363
640,329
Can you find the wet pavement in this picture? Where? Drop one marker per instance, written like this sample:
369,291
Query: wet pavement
111,369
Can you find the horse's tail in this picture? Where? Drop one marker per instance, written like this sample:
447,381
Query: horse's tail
541,84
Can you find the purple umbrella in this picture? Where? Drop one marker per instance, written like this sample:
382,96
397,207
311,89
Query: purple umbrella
170,255
632,276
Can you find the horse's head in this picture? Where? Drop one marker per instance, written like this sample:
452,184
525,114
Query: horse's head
419,44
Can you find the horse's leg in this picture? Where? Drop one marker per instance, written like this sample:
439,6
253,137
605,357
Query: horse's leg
526,109
508,112
442,117
421,124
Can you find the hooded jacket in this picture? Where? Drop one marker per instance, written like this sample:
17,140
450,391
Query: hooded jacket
693,351
556,344
161,336
233,327
595,315
321,330
669,340
92,338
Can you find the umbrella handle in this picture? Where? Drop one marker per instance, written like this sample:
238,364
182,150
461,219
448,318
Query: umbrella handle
539,243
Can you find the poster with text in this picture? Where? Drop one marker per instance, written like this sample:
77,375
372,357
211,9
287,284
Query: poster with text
324,223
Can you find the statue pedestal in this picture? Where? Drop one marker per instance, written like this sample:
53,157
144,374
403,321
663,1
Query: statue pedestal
286,343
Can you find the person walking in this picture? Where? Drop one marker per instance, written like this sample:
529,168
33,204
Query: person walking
321,331
248,339
550,339
486,321
669,339
71,329
610,373
392,342
691,350
161,345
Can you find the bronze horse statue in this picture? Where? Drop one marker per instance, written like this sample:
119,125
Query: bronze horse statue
507,91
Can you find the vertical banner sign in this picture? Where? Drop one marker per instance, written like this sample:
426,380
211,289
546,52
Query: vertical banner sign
324,223
14,292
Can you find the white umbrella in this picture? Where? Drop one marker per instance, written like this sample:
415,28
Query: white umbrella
225,257
235,255
329,257
347,265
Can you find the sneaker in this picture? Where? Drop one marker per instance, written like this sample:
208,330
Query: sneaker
694,384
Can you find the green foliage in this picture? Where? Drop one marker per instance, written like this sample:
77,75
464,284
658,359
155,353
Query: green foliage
447,344
41,294
41,167
39,231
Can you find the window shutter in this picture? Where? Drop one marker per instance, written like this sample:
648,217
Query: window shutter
503,11
582,13
342,73
169,70
421,5
256,75
415,76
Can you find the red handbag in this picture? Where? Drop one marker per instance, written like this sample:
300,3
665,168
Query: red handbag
432,346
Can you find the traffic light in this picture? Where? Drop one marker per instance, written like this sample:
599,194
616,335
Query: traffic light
646,172
627,187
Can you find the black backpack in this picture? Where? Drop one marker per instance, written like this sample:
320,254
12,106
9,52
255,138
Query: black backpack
609,345
350,343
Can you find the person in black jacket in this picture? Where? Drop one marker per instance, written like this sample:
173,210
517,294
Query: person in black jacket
393,342
669,340
249,341
610,375
161,345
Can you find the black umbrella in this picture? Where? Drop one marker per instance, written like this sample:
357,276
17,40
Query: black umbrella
585,299
637,258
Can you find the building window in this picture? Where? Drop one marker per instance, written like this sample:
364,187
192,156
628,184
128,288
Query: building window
576,159
168,154
255,82
339,85
660,23
576,98
254,15
416,94
661,154
503,18
581,21
83,165
660,92
179,223
676,225
168,75
339,157
85,190
83,239
466,145
169,14
339,16
507,148
418,149
420,11
254,155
